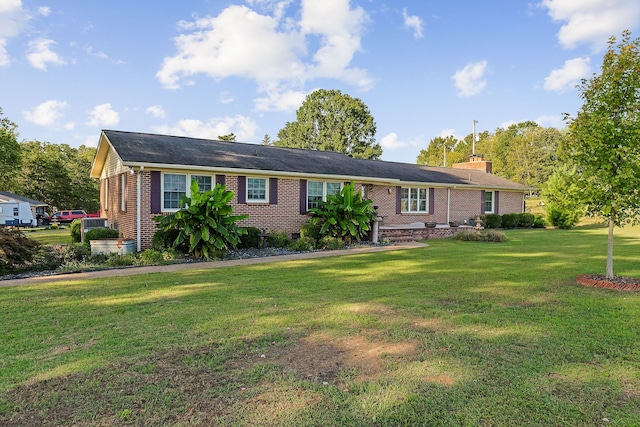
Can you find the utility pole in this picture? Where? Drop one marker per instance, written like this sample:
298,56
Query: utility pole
473,150
444,147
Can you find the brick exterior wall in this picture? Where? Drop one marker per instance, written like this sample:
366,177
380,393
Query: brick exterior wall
285,215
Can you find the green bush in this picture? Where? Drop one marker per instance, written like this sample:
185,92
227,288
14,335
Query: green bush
101,233
207,224
510,220
252,239
303,244
117,260
564,199
526,220
538,222
76,230
562,218
331,243
278,240
480,236
311,229
151,257
163,239
51,257
491,221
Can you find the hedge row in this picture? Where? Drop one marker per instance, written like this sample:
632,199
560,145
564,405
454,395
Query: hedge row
513,220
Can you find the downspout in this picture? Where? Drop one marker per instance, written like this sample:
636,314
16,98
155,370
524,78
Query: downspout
448,205
138,210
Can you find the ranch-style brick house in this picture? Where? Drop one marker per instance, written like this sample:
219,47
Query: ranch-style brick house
145,175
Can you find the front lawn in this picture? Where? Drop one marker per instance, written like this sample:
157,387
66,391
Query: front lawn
456,333
49,236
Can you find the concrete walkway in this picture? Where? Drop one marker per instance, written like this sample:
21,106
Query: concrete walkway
130,271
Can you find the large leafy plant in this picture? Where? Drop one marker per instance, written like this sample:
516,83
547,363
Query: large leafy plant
206,223
345,216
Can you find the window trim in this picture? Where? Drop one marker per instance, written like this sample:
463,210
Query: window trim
266,191
123,192
324,190
427,199
189,179
493,201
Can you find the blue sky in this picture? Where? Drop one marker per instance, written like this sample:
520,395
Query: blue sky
425,68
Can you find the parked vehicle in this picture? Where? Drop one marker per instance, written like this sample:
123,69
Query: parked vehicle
68,216
14,213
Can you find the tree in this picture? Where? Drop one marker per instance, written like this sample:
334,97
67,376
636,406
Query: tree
231,137
329,120
10,155
435,152
563,198
266,139
605,138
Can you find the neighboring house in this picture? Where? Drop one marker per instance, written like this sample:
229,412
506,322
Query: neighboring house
145,175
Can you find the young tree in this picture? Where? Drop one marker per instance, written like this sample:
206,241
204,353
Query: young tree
10,156
605,138
329,120
435,152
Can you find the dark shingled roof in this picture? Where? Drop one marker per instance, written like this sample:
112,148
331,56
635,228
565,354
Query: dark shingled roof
133,147
22,199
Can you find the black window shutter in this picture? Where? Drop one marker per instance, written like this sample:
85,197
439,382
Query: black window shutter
273,191
220,179
242,189
496,196
432,199
481,202
156,197
303,196
398,200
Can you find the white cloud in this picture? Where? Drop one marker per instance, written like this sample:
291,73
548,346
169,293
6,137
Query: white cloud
592,22
226,97
47,113
414,23
103,115
392,142
40,54
270,49
243,127
44,10
448,132
568,76
97,54
551,121
13,19
156,111
470,80
91,141
280,100
505,125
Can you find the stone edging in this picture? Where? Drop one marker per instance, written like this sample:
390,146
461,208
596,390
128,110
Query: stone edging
585,280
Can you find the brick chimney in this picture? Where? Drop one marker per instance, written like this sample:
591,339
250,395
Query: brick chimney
476,162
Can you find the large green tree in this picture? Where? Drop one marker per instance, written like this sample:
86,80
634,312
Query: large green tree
329,120
10,154
605,138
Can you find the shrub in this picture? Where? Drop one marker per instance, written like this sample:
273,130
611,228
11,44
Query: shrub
163,239
278,240
562,218
53,226
538,221
117,260
52,257
331,243
525,220
252,239
346,215
303,244
480,236
101,233
491,221
207,224
510,220
564,199
151,257
76,230
16,251
311,229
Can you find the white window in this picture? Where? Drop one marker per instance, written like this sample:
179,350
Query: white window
257,190
413,199
174,186
318,191
488,202
204,182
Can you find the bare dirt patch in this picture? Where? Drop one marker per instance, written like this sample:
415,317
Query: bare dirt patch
202,386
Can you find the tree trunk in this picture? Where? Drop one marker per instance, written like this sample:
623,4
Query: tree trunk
610,251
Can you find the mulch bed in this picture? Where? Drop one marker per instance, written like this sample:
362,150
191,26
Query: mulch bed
618,283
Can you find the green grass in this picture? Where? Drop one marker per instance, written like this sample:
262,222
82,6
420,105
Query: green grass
456,333
48,236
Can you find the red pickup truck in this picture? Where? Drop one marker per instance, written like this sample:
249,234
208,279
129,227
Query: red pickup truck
68,216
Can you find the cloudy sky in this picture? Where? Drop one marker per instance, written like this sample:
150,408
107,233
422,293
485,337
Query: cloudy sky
204,68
